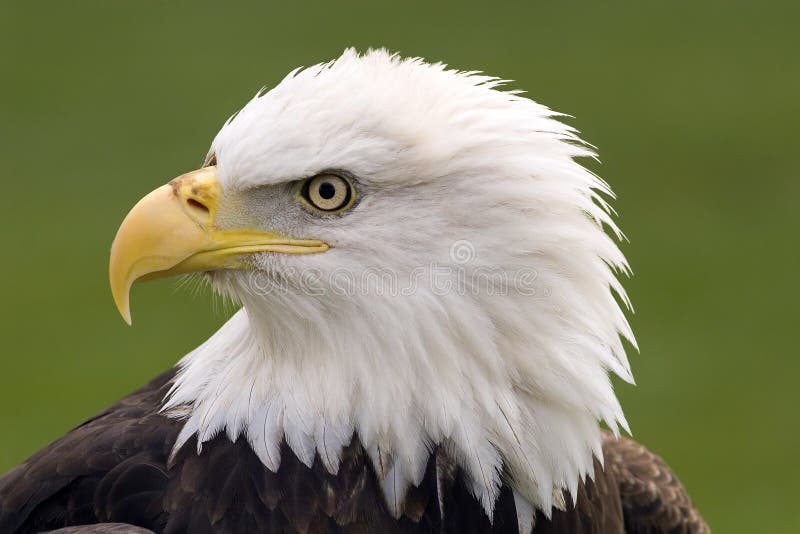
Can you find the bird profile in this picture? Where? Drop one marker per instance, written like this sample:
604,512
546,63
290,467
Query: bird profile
430,313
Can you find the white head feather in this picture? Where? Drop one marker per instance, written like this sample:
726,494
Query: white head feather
467,301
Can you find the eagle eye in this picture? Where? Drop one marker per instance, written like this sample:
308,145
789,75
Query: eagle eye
327,192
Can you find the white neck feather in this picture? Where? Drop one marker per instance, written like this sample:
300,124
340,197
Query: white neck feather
506,384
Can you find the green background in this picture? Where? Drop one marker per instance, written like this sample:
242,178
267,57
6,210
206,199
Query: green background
693,105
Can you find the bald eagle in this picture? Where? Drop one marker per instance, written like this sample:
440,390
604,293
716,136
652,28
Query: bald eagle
430,313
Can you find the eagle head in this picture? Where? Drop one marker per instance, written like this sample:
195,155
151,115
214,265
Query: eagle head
422,265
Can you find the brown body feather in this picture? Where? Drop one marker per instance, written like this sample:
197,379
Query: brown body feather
113,469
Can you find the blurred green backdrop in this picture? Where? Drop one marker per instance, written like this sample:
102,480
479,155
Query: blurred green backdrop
693,105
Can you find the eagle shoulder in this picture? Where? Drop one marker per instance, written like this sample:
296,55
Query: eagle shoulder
653,499
111,467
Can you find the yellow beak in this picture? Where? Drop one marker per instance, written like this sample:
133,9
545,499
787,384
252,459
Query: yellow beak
172,231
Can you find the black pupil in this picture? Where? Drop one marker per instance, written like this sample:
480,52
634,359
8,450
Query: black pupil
327,190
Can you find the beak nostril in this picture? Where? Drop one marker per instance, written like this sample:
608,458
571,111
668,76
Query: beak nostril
196,204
